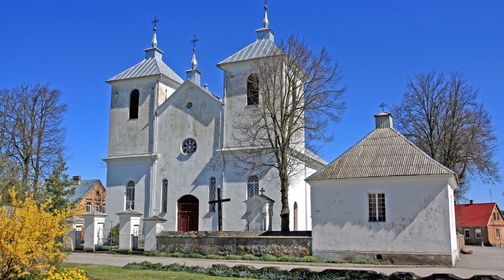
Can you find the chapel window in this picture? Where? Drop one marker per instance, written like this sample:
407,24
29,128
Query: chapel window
376,204
252,186
164,196
252,89
212,193
134,103
130,196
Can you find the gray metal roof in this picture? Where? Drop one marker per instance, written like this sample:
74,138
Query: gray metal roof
148,67
382,153
82,189
260,48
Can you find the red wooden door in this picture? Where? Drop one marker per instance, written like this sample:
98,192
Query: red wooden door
188,208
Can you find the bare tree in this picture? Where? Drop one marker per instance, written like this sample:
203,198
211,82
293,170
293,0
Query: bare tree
32,132
295,93
443,117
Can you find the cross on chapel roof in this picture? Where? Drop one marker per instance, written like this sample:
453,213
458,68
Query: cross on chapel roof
382,106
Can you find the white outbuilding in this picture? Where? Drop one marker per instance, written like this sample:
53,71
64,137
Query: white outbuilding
384,198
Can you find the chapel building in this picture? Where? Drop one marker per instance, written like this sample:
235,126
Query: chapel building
171,145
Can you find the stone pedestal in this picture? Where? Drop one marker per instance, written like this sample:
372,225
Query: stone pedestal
72,238
129,225
93,230
152,226
259,213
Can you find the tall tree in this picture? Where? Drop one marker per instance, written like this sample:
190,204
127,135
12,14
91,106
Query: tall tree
33,133
295,94
57,187
444,118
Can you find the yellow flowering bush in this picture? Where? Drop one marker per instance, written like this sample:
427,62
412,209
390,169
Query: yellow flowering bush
30,237
68,274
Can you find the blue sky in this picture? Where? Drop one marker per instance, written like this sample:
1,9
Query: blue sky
76,45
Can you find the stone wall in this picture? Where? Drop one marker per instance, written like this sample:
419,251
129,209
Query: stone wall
239,243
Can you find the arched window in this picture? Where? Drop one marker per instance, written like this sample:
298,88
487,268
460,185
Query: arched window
252,186
212,193
164,196
130,196
134,102
252,89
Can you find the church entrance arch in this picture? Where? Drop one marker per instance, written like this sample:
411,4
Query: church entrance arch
188,213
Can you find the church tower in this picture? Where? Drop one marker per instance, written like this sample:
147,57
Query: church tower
132,148
239,92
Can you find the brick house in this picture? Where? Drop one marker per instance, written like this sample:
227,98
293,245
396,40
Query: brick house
89,195
480,223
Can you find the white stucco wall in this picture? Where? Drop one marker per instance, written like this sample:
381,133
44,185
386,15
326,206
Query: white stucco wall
119,173
419,216
235,99
188,174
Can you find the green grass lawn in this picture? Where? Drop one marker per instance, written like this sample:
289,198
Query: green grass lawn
105,272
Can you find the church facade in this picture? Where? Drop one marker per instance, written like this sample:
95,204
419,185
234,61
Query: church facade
171,148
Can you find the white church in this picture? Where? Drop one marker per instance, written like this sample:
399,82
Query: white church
170,155
170,145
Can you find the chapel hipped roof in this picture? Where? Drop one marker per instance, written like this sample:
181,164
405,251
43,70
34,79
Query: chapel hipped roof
382,153
474,214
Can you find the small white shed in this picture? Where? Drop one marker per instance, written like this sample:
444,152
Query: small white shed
384,198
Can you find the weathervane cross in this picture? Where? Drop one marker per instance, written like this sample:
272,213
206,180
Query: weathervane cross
194,41
155,22
382,106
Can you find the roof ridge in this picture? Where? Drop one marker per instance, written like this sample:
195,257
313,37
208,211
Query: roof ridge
480,203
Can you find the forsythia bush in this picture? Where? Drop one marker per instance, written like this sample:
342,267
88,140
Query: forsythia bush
68,274
30,238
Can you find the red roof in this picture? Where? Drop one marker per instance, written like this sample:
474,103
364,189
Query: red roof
477,214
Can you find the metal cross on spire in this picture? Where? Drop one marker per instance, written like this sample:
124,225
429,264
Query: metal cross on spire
194,62
265,20
382,106
193,42
154,38
155,22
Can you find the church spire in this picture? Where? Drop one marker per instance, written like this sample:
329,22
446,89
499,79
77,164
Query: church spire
194,74
265,32
194,62
154,29
265,20
153,51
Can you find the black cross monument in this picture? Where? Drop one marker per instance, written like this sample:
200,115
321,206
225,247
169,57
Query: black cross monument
219,201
